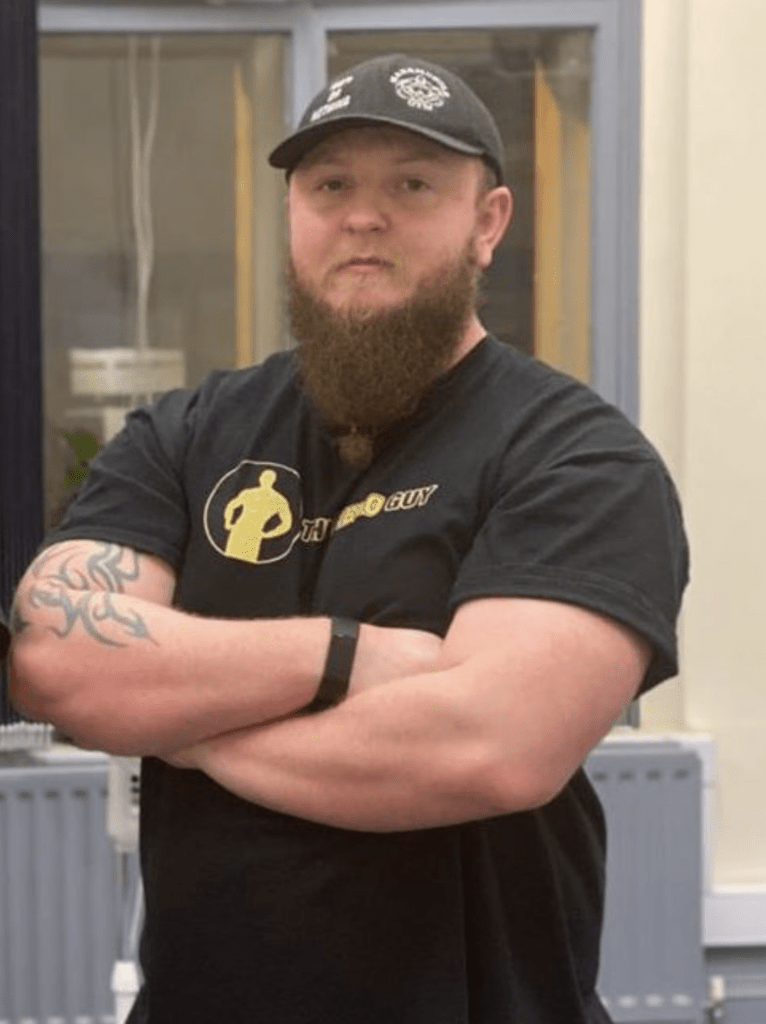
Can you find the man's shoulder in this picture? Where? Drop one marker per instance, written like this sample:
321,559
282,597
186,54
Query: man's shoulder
277,370
221,394
530,376
534,398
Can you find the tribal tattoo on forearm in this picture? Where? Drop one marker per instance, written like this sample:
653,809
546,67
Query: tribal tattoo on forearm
92,610
84,594
108,568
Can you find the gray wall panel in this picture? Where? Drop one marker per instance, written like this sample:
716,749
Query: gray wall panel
652,960
60,907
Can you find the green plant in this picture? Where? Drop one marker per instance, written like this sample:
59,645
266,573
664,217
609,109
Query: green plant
85,446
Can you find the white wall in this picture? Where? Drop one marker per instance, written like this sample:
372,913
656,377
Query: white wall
703,374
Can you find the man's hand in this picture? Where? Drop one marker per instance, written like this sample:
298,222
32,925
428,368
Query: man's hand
187,757
384,654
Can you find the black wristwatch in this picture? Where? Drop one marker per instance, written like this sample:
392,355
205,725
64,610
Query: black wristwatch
337,671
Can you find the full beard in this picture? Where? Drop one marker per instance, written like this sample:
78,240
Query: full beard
365,370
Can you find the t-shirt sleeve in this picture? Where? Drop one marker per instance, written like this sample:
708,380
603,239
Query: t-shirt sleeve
600,528
134,493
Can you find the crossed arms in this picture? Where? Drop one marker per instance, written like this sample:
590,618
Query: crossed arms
495,718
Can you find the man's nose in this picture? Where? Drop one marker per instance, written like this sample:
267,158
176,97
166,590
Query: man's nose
366,211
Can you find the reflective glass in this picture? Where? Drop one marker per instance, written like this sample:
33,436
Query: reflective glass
162,224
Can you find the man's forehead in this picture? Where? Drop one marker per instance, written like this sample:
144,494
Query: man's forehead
403,144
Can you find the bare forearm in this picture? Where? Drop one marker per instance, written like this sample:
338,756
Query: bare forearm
390,759
521,691
100,652
127,675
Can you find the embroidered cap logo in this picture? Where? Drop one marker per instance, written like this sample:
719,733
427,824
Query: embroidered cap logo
335,100
420,89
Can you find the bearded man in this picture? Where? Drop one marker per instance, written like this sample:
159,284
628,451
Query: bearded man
363,727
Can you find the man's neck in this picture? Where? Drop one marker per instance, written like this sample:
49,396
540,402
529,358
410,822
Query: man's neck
474,333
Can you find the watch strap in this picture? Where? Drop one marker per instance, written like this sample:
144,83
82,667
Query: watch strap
333,687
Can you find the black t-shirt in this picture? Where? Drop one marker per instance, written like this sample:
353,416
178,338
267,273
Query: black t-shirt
512,479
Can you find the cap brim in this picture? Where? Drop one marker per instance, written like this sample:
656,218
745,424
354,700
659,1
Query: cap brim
290,152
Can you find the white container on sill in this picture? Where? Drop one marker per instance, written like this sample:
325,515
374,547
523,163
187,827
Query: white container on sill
125,372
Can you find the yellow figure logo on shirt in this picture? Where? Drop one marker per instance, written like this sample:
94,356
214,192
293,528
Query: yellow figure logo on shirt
254,513
248,515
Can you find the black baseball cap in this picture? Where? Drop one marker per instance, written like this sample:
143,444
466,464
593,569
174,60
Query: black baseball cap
5,636
404,92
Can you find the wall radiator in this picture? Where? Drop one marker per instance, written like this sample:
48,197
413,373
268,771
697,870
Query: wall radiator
652,956
62,899
60,894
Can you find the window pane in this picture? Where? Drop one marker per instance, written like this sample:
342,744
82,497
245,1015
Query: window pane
537,86
162,224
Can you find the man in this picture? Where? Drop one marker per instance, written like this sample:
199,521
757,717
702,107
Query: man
385,822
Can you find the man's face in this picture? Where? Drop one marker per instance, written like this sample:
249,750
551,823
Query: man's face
389,234
376,212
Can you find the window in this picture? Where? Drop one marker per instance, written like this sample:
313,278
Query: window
162,225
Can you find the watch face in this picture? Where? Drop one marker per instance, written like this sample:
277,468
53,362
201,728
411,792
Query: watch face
340,659
347,629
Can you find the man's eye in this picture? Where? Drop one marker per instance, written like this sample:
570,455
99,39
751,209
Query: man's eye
415,185
333,185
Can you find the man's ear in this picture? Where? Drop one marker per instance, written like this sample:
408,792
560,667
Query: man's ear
494,214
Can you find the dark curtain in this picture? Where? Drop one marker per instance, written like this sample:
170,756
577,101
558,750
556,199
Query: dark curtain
21,492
